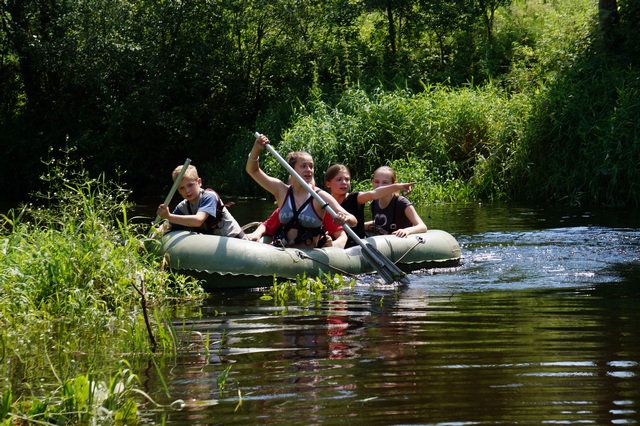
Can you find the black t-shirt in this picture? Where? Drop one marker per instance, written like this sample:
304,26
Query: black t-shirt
350,204
392,217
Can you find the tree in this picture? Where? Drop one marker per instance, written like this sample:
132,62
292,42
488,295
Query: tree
487,9
609,23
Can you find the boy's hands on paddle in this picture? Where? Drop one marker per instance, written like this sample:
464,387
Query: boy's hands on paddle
163,211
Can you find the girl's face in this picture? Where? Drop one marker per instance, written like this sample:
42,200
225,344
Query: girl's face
304,167
382,179
190,188
340,184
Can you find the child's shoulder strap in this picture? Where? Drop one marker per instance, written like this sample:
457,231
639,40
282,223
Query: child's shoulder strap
220,203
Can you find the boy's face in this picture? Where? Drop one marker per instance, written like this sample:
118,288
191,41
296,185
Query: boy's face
190,188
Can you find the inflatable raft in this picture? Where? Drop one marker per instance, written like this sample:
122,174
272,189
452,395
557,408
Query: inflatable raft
230,262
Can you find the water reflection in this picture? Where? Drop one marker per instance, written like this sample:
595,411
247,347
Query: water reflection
412,357
539,325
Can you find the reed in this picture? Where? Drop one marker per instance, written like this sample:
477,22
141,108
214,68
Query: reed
457,144
69,309
79,400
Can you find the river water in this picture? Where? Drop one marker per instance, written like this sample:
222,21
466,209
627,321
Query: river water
540,324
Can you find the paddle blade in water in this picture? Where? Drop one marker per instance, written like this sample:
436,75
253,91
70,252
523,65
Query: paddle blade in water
387,269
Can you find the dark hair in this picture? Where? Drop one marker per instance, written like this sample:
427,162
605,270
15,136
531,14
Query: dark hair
334,170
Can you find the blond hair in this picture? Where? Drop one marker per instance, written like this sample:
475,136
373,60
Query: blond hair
386,169
190,173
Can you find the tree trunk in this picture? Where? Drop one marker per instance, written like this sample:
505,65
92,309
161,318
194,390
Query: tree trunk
392,27
609,23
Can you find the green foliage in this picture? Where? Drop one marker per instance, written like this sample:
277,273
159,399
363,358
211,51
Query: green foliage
555,126
305,291
67,299
76,253
457,144
134,81
583,143
221,380
545,39
168,79
80,400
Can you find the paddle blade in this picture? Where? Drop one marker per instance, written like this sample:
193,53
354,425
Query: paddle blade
387,269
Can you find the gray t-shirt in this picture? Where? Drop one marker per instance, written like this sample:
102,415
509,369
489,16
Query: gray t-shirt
208,202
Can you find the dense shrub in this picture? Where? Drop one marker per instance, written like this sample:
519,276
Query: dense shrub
457,144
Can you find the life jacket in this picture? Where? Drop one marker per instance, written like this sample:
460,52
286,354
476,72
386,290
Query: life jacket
211,222
305,235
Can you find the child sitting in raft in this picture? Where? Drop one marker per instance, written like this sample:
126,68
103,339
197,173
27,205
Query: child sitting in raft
393,213
338,183
202,210
335,235
300,215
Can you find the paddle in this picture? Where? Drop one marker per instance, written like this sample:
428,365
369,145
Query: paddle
386,268
173,188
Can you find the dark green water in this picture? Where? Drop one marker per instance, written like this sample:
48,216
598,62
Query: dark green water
540,324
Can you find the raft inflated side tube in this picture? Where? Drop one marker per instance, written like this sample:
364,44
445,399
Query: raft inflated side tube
218,257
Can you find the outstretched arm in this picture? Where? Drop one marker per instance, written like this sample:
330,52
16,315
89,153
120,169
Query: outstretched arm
383,191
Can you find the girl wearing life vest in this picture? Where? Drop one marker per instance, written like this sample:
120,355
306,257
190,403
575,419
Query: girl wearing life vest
300,214
335,235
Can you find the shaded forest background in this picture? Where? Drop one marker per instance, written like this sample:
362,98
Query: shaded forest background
522,100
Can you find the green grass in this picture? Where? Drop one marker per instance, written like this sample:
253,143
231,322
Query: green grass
71,266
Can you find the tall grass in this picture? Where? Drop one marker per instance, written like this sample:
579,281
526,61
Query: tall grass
77,253
68,266
583,143
455,143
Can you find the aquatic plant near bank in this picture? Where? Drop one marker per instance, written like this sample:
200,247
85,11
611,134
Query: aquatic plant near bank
305,291
77,401
71,269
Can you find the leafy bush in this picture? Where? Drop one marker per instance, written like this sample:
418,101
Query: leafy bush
78,252
70,271
456,144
